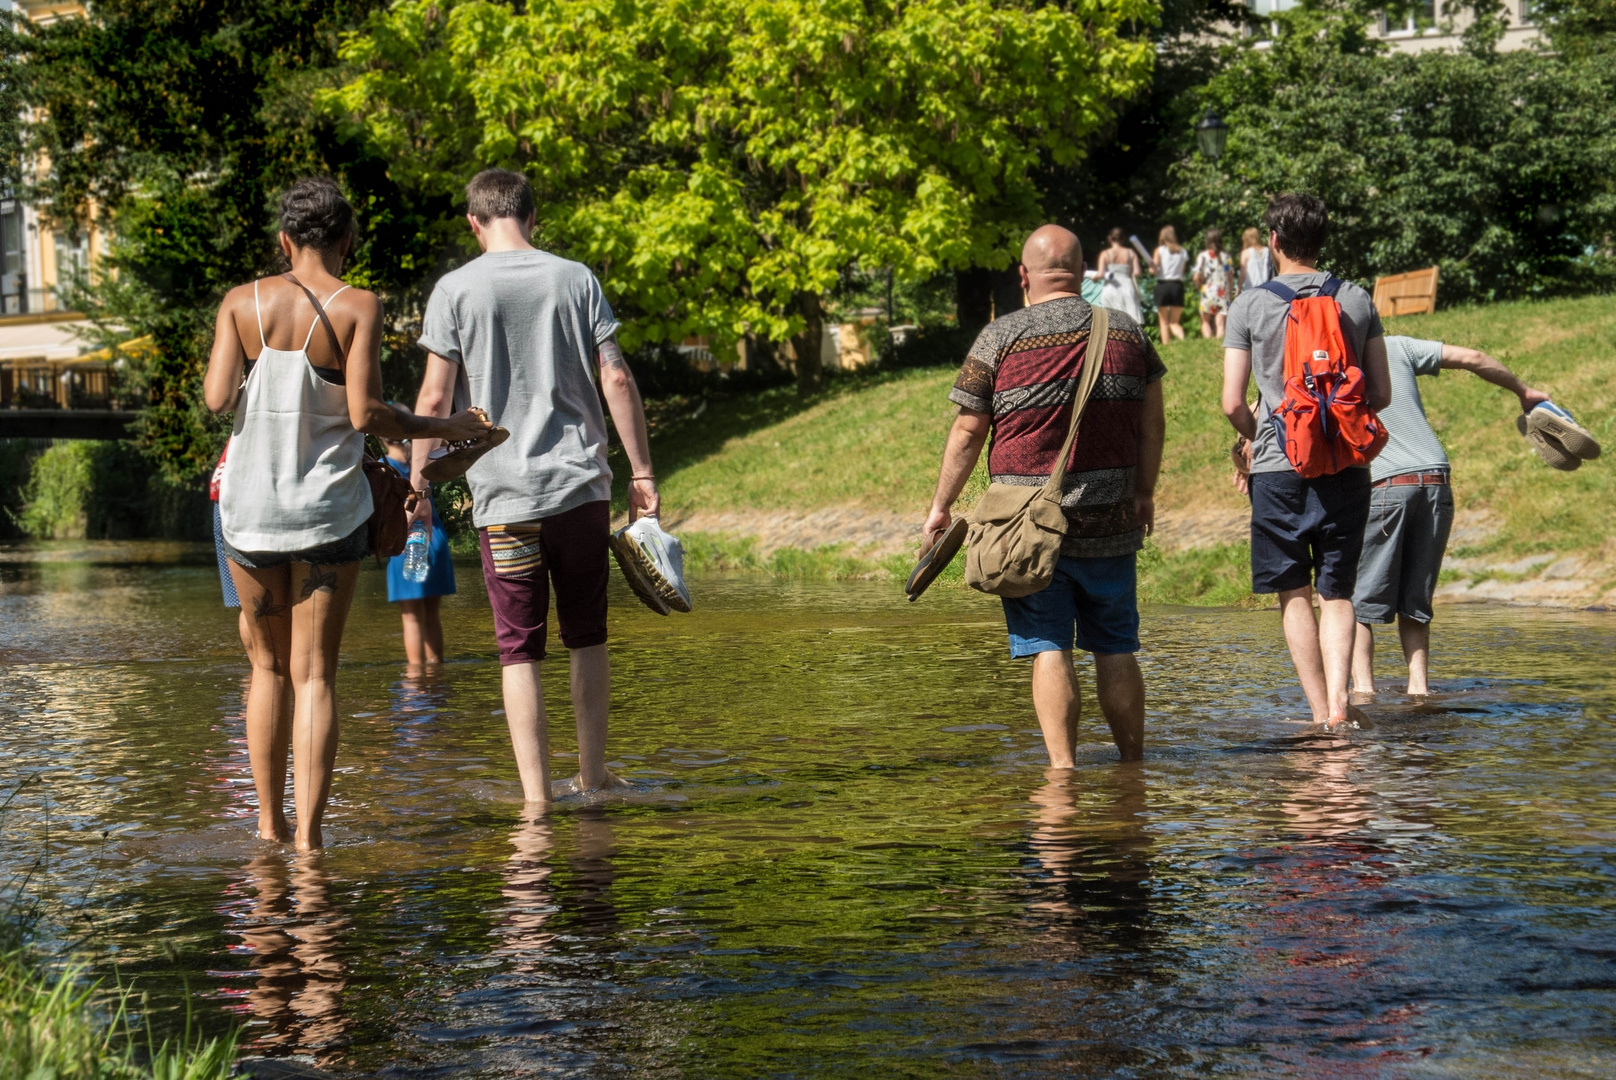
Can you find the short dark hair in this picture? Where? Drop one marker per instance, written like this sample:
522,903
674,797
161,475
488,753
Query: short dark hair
1298,225
315,215
1115,236
499,193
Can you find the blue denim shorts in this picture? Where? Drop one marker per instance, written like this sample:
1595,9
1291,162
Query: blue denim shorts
1092,605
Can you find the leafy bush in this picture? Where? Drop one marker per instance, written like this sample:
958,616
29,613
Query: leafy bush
1498,167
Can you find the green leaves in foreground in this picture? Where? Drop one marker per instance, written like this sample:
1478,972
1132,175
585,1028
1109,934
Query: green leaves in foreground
51,1029
722,162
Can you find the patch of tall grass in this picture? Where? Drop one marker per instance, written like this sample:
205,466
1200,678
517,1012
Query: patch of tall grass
60,1025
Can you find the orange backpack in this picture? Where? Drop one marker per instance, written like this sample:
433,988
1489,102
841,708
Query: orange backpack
1323,424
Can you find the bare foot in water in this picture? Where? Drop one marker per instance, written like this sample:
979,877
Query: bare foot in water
1354,717
576,785
274,828
311,841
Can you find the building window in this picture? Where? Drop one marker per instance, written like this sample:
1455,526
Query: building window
13,265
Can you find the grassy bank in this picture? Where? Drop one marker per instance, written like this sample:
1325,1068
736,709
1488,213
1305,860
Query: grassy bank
872,442
62,1027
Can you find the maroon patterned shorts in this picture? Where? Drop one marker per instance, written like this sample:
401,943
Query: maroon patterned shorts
521,563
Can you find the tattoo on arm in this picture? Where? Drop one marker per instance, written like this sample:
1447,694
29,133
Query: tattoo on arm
264,607
611,355
319,582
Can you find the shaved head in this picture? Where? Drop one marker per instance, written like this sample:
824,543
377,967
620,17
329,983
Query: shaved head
1051,264
1052,248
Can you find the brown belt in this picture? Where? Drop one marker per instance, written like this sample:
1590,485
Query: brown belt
1411,479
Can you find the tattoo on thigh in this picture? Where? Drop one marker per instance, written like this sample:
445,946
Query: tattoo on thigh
265,607
319,581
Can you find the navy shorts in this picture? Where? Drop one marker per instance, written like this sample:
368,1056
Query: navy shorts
1092,604
1308,532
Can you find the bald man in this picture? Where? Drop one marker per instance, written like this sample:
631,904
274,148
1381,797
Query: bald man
1018,383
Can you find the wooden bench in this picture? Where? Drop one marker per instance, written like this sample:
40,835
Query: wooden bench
1413,293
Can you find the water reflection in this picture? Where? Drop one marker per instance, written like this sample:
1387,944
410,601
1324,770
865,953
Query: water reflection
294,932
1093,855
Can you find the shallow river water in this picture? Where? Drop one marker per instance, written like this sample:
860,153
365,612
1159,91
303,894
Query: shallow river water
841,855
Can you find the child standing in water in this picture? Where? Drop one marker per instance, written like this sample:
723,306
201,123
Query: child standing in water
419,601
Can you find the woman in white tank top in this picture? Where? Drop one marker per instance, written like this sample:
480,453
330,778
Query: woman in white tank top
294,504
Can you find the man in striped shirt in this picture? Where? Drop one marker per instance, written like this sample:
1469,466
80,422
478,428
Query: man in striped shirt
1018,384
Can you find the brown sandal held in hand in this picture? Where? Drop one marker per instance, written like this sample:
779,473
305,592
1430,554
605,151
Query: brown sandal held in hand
448,462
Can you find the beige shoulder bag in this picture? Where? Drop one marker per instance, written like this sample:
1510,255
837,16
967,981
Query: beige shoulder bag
1016,531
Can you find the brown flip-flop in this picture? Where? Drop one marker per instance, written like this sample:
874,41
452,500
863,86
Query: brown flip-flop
448,462
936,558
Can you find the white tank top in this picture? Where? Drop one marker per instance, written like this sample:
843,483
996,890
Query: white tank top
294,478
1172,263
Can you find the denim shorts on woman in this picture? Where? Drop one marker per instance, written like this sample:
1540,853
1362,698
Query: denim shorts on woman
351,548
1092,605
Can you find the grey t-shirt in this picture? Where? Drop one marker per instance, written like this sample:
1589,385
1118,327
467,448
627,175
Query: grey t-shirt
526,326
1257,324
1411,445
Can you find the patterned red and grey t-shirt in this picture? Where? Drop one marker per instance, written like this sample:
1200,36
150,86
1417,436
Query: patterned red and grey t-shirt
1023,372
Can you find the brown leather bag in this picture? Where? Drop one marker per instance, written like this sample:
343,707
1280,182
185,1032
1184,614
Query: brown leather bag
391,497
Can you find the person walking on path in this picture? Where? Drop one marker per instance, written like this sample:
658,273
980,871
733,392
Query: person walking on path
1303,531
420,601
294,504
1411,509
1256,264
1018,383
1170,261
1214,277
530,331
1117,268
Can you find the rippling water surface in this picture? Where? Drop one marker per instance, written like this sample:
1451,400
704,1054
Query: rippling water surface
841,854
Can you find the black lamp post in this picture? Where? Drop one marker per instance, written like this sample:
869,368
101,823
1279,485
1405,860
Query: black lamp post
1212,134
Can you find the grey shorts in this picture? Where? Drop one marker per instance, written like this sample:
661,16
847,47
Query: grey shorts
351,548
1403,546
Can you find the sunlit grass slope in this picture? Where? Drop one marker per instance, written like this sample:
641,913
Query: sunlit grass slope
874,441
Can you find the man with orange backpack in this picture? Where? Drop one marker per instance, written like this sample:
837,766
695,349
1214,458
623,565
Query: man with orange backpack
1317,350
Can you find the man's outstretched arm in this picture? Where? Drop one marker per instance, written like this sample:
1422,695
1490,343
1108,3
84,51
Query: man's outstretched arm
965,441
622,396
1490,370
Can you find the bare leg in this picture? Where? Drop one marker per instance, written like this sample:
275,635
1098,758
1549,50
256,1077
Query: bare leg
1337,625
1206,323
322,598
266,628
1363,659
1416,637
1302,635
591,697
1222,323
1120,686
1059,704
1172,324
423,631
530,737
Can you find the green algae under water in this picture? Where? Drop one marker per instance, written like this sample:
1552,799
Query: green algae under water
841,854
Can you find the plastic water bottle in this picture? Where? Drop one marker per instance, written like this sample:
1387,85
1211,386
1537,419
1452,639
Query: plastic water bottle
417,559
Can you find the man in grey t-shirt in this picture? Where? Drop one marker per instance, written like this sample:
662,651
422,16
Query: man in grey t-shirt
528,332
1305,533
1411,508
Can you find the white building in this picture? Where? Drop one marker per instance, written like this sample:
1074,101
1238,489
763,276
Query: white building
1433,24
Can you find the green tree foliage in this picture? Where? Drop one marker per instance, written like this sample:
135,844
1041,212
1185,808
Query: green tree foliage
723,162
1498,167
177,122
